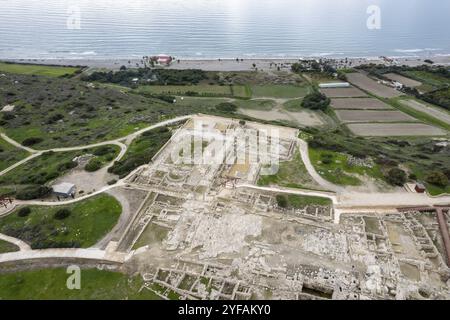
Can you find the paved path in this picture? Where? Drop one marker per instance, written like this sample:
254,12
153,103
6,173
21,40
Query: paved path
23,246
83,254
121,142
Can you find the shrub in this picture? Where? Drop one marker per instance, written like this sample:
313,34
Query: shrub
93,165
28,142
103,150
396,177
226,107
282,201
24,212
62,214
33,192
437,178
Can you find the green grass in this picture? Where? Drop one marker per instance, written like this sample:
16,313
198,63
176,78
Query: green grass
428,79
280,91
50,284
10,154
49,166
39,70
300,202
434,190
6,247
293,105
339,171
291,174
204,90
141,151
89,221
258,104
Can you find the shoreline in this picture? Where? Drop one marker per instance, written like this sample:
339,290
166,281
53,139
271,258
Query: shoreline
230,64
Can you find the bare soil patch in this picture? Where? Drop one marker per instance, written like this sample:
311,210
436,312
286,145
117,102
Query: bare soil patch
432,111
394,129
364,82
343,92
359,104
372,116
403,80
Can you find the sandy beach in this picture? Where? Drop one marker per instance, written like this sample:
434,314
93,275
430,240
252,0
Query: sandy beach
230,64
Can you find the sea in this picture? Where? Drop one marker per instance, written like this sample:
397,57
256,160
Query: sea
210,29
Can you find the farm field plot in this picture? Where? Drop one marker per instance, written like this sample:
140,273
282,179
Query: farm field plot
359,104
394,129
364,82
205,90
301,117
436,112
403,80
373,116
280,91
343,92
39,70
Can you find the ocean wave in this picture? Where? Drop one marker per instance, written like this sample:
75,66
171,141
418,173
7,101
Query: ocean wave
84,53
416,50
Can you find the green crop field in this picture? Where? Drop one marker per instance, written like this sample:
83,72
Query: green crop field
196,90
39,70
88,222
50,284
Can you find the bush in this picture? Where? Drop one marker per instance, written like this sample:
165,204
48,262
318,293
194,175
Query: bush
226,107
437,178
93,165
316,101
28,142
396,177
33,192
62,214
24,212
103,150
282,201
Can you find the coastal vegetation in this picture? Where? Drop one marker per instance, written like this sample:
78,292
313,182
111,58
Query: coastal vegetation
78,225
292,201
6,247
10,154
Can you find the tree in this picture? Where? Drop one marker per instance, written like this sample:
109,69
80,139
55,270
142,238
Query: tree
93,165
437,178
62,214
282,201
316,101
24,212
227,107
396,177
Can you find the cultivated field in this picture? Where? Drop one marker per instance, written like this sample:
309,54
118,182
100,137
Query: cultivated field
364,82
280,91
359,104
436,112
343,92
373,116
394,129
403,80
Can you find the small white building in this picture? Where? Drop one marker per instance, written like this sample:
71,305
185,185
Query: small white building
334,85
64,190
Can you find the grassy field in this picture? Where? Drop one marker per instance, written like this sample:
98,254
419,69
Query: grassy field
293,105
300,202
279,91
141,151
39,70
429,80
88,222
255,104
50,284
7,247
10,154
51,165
204,90
291,174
